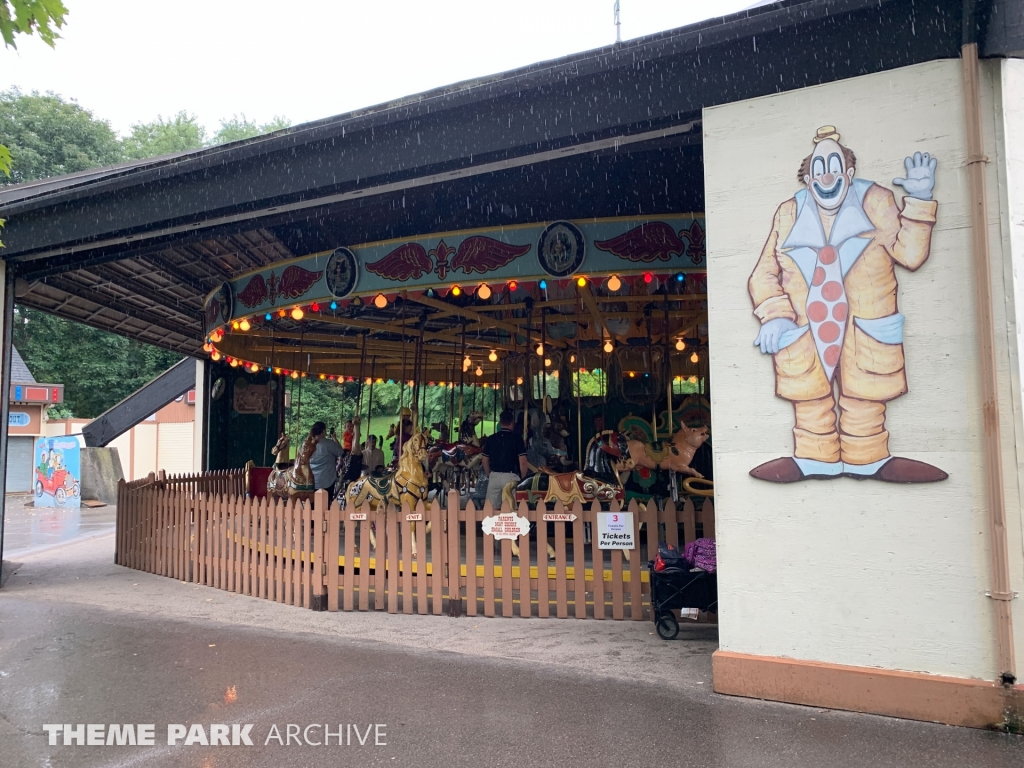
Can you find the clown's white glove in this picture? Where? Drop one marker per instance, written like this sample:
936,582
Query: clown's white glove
771,333
920,178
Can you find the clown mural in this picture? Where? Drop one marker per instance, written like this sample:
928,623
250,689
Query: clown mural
825,293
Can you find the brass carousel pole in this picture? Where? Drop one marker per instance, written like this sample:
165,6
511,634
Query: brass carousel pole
668,366
528,389
462,383
650,364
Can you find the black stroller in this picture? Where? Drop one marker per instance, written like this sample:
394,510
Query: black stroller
676,586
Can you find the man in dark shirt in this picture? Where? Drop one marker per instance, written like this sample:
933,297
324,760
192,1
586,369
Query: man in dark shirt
504,459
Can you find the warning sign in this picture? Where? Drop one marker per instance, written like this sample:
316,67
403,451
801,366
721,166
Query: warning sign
615,530
507,525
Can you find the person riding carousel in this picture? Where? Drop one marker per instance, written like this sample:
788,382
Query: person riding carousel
402,433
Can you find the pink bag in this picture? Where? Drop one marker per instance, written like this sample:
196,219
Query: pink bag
701,554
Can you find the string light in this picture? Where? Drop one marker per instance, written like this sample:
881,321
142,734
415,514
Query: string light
614,283
215,356
233,363
217,335
314,307
281,313
295,374
693,379
493,357
648,277
334,305
277,370
694,358
254,368
547,362
323,376
608,346
540,349
369,381
456,291
680,345
543,285
519,381
297,313
268,317
572,358
632,374
479,371
484,291
244,325
680,277
581,281
380,301
234,325
513,285
207,347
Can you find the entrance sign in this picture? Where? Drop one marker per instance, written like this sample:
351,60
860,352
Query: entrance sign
615,530
559,517
507,525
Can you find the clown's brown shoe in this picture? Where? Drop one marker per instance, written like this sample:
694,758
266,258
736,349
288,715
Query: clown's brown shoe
783,470
900,470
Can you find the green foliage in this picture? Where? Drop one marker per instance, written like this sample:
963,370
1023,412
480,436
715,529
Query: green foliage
97,369
49,136
238,127
163,137
333,403
28,17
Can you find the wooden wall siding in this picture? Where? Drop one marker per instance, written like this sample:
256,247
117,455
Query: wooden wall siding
199,528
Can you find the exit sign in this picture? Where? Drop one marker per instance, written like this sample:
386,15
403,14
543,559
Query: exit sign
37,393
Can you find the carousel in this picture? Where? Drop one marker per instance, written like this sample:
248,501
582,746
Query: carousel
592,332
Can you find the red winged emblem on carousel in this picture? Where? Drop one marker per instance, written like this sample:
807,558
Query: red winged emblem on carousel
475,254
294,282
657,241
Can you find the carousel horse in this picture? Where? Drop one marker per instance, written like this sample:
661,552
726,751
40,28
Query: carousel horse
405,485
280,452
295,482
444,433
599,481
467,431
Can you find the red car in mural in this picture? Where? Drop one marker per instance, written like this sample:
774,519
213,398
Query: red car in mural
60,485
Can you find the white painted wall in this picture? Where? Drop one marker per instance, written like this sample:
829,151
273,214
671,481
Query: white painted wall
860,573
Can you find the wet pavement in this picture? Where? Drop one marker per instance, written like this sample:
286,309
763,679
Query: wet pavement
84,641
28,528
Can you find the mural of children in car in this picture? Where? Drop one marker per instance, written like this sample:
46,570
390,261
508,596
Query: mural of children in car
57,482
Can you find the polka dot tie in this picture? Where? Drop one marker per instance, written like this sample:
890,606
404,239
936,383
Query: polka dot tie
827,308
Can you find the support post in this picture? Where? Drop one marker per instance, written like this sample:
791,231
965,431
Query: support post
199,430
1001,593
7,336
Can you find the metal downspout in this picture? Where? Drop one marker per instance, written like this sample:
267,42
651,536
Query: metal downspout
976,161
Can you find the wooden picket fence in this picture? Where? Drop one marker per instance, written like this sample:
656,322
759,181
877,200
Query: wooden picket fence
431,559
264,548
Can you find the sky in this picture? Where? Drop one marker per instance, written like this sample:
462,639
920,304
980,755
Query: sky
129,61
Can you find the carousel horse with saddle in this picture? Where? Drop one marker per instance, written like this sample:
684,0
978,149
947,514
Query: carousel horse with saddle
288,480
404,485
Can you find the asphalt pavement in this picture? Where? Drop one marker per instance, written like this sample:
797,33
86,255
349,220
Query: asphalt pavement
83,641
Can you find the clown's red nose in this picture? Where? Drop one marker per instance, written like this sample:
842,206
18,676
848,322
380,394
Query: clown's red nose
827,179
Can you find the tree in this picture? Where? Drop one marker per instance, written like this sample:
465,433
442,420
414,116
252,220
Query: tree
50,136
237,127
31,17
163,137
28,17
98,369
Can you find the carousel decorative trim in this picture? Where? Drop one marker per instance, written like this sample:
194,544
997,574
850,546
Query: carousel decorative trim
545,250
